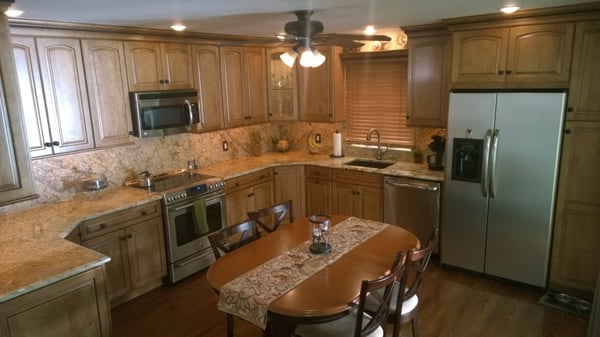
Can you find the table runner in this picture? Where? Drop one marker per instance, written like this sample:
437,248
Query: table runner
249,295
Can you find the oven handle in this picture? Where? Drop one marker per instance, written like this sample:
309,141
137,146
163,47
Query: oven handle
209,199
191,260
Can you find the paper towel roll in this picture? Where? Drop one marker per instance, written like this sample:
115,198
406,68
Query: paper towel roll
337,144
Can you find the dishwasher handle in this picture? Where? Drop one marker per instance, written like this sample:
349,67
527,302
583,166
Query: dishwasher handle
414,185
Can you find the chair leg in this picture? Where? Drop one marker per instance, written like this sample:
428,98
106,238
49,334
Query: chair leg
415,327
229,325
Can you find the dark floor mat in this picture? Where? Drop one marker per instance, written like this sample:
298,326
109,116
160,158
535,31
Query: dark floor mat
566,303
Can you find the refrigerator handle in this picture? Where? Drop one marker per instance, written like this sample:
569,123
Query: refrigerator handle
486,163
493,155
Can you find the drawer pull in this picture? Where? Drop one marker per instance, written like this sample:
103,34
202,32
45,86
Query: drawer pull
144,213
103,225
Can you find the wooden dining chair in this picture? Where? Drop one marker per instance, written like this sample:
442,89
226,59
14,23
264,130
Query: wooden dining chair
232,237
270,218
405,308
358,323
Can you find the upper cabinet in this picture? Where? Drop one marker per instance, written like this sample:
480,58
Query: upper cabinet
321,95
244,76
584,101
429,65
529,56
16,176
207,80
282,87
158,66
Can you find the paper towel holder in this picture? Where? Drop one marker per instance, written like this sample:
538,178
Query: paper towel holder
341,154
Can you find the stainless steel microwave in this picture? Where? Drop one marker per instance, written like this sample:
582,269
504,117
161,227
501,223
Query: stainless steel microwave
163,113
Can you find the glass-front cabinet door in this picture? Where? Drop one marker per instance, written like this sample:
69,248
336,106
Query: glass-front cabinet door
282,87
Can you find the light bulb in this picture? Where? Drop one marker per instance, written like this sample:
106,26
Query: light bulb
509,9
289,57
318,58
306,58
13,13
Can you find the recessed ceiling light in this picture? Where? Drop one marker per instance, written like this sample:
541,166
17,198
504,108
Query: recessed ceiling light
369,30
509,9
13,13
178,27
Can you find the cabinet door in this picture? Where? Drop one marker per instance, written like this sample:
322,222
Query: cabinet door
262,196
237,206
371,203
289,185
318,196
207,79
113,245
479,56
428,81
144,65
281,87
67,104
106,77
346,200
146,251
584,101
177,66
540,54
314,96
32,95
256,87
575,249
232,75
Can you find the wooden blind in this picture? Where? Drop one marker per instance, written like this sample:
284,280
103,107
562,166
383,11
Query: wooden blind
376,97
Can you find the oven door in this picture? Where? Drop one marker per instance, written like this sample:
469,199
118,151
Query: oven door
186,229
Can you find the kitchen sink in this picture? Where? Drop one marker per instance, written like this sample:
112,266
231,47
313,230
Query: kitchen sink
370,163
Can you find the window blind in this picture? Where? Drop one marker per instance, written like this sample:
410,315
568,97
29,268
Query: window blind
376,97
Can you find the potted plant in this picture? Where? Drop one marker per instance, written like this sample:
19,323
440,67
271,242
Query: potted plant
417,156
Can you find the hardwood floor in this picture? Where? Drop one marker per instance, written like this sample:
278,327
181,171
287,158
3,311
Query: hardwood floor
453,304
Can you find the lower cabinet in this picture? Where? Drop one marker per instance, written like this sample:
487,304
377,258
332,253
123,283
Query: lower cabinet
289,185
248,193
74,307
318,190
134,240
358,194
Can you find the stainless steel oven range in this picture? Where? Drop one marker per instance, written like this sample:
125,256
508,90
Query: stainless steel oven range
193,207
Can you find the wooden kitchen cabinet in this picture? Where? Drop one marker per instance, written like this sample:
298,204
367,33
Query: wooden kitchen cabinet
575,249
321,96
584,101
244,76
289,185
282,90
158,66
358,194
74,307
318,187
429,63
248,193
134,240
528,56
207,80
106,78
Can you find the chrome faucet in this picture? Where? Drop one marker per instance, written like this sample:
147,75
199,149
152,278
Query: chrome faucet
379,152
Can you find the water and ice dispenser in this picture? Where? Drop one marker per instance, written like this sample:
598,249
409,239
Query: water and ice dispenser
467,156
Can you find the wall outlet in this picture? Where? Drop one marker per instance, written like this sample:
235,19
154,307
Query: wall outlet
318,138
225,145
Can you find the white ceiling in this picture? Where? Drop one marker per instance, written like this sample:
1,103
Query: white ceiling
265,17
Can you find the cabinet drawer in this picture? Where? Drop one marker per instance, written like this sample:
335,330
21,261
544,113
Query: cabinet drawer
120,219
318,172
248,180
358,178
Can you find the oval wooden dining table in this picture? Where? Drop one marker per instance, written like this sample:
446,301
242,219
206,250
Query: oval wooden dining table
329,293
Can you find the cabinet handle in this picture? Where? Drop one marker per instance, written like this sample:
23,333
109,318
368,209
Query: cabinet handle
54,143
144,213
570,109
568,131
129,236
500,72
407,117
508,72
103,225
167,81
270,114
123,238
161,81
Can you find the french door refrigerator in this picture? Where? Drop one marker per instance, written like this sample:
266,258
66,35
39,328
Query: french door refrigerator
502,158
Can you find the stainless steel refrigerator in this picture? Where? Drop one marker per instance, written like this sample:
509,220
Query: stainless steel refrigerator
501,170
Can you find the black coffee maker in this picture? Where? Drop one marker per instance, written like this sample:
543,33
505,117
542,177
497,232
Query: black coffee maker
435,159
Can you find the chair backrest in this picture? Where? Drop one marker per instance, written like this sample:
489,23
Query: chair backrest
383,298
232,237
270,218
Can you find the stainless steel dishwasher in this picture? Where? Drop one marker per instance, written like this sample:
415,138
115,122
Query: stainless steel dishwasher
413,204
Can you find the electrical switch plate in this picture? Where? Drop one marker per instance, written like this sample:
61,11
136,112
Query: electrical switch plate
318,138
225,145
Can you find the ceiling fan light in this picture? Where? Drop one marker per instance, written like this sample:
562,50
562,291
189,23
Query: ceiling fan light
509,9
318,58
307,58
289,57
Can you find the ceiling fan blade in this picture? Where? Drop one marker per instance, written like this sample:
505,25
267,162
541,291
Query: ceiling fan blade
349,44
355,37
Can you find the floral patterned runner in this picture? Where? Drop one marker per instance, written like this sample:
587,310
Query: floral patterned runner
249,295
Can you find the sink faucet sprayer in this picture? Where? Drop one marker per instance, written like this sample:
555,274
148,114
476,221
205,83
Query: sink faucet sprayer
379,152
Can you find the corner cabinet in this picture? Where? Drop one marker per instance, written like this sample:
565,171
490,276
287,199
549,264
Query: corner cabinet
429,63
158,66
207,80
321,96
244,76
282,91
16,176
528,56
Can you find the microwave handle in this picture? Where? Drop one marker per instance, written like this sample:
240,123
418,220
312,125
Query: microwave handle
189,106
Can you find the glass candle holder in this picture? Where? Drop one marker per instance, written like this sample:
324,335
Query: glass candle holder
319,229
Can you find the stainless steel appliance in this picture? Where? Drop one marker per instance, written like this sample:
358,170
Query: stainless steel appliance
412,204
193,207
163,113
500,183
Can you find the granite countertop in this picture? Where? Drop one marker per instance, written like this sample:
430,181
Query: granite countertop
33,252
